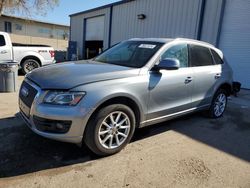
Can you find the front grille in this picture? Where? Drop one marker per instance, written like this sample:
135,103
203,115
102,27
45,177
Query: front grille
28,100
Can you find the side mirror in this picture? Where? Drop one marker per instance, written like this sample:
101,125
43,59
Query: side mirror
168,64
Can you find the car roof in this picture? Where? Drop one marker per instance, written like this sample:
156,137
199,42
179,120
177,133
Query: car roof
162,40
167,40
186,40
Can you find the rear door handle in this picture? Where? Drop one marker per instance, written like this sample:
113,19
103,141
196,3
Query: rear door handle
217,76
188,80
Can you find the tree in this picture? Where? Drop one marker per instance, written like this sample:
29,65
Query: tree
27,7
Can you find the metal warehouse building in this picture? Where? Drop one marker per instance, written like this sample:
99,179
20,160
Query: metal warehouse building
224,23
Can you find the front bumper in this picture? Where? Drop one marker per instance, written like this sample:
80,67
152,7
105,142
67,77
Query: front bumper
78,115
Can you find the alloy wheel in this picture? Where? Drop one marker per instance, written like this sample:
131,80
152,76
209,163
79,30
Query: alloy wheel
220,104
30,65
114,130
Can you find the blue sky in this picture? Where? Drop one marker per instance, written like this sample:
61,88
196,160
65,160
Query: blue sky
61,13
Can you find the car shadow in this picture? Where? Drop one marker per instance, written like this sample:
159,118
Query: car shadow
24,152
230,134
20,73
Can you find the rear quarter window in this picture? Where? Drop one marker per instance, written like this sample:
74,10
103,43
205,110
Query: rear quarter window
200,56
217,58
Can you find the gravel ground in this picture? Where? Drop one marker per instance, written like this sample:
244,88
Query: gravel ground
192,151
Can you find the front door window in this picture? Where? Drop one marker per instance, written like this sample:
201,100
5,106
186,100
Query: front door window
179,52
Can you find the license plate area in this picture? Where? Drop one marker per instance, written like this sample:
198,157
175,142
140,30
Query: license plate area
24,108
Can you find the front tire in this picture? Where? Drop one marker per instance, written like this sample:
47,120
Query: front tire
218,105
29,65
110,130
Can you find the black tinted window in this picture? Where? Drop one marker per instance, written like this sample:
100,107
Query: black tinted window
217,58
2,40
200,56
179,52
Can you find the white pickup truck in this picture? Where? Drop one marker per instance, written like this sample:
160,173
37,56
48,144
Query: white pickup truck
29,57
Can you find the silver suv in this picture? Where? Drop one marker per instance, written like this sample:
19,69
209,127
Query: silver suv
136,83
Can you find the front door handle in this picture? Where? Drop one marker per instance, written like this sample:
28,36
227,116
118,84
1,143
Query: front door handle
217,76
188,80
3,52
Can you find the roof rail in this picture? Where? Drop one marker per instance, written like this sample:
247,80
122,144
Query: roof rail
193,40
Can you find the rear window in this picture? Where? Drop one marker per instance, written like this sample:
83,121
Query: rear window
200,56
2,40
217,58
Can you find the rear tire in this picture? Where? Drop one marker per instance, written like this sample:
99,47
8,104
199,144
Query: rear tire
218,105
29,65
110,130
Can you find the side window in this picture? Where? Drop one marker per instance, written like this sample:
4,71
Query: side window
8,27
179,52
200,56
2,40
217,58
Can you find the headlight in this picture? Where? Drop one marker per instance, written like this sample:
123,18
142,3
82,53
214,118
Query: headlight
63,98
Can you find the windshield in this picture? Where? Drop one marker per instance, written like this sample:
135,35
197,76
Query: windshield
130,53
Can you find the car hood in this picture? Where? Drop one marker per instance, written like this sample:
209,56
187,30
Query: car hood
71,74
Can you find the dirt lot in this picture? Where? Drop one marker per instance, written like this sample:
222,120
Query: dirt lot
193,151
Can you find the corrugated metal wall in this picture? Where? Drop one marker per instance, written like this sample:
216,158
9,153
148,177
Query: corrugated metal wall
211,20
77,28
235,39
165,18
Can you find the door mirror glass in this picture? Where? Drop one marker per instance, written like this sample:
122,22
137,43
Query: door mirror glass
168,64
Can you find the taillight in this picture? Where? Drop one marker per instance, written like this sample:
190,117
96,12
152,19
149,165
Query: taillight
52,53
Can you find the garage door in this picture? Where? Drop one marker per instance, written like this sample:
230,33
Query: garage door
235,39
95,29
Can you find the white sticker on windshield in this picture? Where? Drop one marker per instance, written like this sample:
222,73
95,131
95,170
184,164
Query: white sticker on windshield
148,46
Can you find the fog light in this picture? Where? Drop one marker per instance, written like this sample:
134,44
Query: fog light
52,126
59,126
62,127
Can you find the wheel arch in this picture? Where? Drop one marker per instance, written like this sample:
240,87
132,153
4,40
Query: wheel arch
227,87
31,57
125,100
